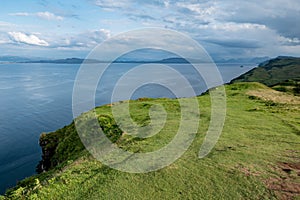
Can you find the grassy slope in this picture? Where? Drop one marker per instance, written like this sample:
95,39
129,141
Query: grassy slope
244,164
282,73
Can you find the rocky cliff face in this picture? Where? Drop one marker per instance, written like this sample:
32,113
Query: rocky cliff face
48,144
65,144
58,147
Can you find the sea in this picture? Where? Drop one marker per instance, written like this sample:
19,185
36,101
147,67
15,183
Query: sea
37,98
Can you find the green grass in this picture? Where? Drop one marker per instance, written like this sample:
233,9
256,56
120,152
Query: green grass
256,137
278,71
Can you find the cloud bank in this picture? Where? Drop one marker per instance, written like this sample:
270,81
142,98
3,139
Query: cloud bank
223,26
20,37
226,28
43,15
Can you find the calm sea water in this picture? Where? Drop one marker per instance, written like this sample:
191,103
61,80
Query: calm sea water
36,98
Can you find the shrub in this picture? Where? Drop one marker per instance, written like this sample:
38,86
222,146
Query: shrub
281,89
296,90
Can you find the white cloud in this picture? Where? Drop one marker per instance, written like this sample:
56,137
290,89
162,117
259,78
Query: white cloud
280,15
27,39
43,15
200,9
232,26
112,4
81,41
48,16
166,3
4,39
20,14
6,24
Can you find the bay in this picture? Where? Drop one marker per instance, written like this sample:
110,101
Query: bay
36,98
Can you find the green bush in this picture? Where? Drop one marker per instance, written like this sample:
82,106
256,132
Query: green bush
110,127
281,89
297,89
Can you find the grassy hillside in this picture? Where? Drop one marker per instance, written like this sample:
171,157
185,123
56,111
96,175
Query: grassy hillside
281,73
256,157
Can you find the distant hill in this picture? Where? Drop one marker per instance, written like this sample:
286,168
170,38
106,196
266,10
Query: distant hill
64,61
174,60
255,60
273,72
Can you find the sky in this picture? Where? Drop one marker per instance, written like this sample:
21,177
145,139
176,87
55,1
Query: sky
225,28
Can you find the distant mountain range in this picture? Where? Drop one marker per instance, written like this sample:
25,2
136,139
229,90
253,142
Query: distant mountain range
16,59
256,60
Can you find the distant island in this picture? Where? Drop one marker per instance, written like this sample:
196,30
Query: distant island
64,61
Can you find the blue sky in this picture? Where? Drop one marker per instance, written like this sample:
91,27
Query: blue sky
226,28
